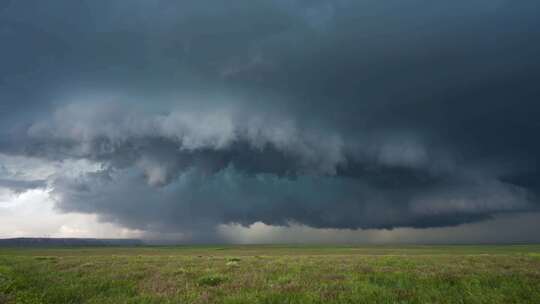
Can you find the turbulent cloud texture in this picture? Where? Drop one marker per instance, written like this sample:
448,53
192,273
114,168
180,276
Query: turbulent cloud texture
327,114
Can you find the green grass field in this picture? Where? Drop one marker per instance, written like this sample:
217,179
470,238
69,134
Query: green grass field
272,274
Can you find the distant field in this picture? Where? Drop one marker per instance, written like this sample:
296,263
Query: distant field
271,274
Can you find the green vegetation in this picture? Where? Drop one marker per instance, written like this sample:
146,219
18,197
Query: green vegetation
271,274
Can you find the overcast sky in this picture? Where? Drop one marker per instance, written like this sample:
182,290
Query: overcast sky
266,121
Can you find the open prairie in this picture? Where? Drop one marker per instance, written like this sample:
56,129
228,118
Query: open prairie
271,274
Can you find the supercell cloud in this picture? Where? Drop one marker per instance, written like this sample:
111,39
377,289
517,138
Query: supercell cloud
327,114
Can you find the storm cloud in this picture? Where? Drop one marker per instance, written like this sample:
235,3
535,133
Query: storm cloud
327,114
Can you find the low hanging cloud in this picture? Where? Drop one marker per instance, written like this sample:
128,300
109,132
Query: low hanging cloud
184,117
193,172
21,185
198,202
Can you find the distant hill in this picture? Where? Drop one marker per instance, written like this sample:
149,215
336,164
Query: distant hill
45,242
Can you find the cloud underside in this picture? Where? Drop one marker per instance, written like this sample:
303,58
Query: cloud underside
192,171
329,114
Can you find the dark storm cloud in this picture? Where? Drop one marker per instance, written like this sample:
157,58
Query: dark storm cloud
9,180
332,114
21,186
197,201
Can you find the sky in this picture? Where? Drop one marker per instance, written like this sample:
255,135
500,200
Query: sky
271,121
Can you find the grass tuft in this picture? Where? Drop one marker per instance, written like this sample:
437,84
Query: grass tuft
211,280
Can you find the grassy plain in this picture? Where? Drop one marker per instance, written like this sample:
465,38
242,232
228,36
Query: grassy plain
271,274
